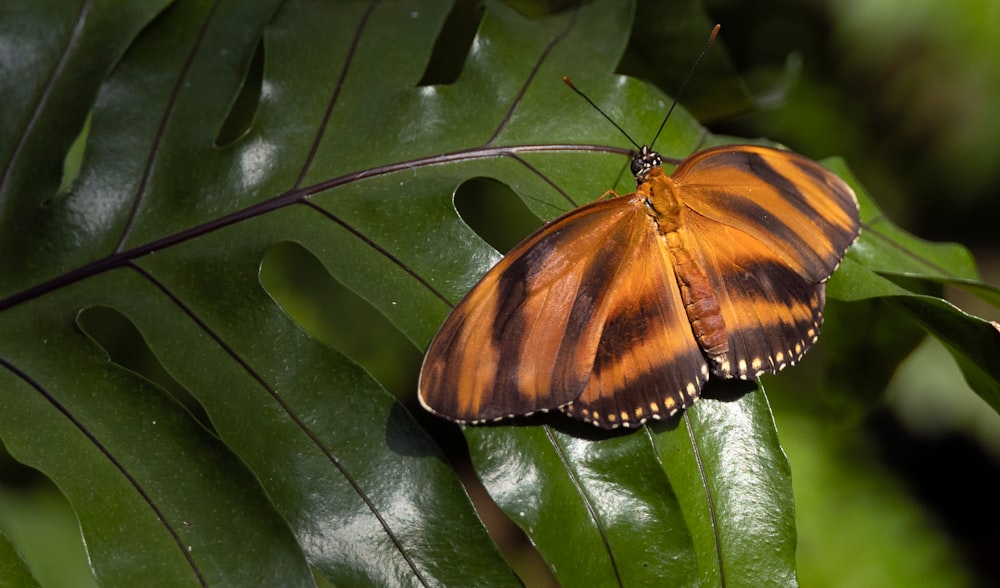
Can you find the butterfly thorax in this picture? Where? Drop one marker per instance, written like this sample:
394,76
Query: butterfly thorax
662,197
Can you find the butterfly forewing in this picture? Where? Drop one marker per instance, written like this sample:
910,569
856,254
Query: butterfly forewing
525,337
648,364
797,209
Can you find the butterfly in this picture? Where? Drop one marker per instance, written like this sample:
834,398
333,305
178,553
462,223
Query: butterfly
619,311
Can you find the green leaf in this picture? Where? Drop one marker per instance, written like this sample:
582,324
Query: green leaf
889,250
305,459
884,252
43,529
598,506
203,436
735,484
674,500
13,570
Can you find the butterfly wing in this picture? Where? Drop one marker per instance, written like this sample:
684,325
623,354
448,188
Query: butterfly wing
648,364
768,227
795,207
525,337
772,314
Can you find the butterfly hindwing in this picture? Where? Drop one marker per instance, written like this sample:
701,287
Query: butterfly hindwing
772,313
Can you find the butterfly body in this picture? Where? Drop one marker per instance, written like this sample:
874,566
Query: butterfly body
620,310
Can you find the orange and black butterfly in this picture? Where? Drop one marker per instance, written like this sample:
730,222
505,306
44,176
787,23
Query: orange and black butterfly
621,310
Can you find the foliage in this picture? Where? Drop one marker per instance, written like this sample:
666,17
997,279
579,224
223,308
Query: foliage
203,436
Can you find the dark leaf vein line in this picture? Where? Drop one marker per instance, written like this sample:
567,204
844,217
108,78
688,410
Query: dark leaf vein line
588,502
43,99
289,411
314,148
531,76
120,258
147,171
114,461
869,229
569,199
709,499
381,250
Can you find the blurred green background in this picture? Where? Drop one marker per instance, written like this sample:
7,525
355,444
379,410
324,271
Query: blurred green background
895,487
900,489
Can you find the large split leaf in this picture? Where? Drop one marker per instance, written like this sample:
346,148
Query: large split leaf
249,451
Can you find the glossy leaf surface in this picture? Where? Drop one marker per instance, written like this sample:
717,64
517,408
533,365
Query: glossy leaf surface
249,452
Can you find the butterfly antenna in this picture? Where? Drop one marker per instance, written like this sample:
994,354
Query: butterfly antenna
684,84
598,109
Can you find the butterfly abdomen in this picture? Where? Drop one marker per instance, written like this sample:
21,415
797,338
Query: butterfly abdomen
700,302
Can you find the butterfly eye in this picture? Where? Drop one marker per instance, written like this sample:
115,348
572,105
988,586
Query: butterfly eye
638,167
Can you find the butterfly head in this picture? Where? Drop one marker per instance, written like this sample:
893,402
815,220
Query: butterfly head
643,161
